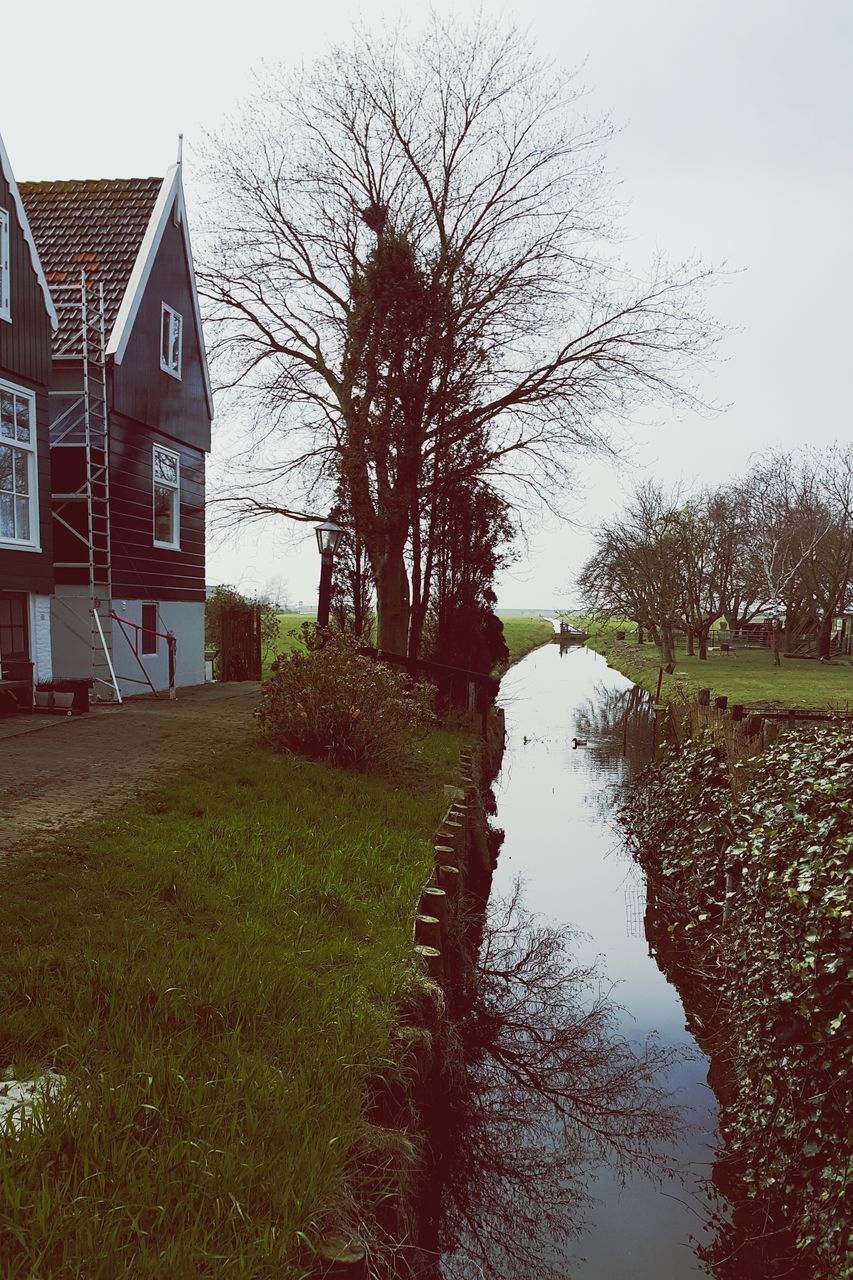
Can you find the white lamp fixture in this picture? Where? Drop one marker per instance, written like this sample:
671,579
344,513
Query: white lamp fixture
329,535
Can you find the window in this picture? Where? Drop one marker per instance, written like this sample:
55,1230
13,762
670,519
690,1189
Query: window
18,474
149,628
5,299
167,504
171,326
13,625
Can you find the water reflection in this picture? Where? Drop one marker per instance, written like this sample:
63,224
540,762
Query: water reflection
554,802
548,1091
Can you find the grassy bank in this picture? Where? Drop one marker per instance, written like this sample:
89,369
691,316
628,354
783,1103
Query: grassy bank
523,635
215,972
746,675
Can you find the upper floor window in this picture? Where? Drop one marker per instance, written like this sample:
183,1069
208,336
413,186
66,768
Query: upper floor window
167,499
5,294
19,524
171,326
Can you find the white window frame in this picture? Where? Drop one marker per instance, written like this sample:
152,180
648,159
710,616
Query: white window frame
175,545
175,322
5,270
30,448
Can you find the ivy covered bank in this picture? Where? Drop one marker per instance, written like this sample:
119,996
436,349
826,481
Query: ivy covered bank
750,910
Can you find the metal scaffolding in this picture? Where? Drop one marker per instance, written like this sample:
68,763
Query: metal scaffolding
79,420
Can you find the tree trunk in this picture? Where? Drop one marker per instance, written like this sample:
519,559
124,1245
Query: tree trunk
667,645
639,633
703,644
392,602
824,637
691,652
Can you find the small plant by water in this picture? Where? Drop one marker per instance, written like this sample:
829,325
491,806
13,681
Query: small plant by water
328,702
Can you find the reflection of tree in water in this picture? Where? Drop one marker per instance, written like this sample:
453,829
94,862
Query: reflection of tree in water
548,1091
616,722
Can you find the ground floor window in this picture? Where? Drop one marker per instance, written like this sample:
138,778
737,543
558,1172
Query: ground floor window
18,478
14,629
149,628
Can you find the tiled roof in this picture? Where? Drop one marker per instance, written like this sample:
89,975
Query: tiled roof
98,224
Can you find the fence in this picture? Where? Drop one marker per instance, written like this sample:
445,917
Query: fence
745,732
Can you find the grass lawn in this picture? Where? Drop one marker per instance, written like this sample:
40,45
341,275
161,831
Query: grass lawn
746,675
289,635
215,971
523,635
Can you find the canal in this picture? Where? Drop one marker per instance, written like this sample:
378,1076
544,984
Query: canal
555,803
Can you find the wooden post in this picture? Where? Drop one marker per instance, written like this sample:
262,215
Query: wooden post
433,902
703,697
343,1258
450,880
721,703
443,853
428,931
737,711
430,961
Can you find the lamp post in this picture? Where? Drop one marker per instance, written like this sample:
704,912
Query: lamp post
329,534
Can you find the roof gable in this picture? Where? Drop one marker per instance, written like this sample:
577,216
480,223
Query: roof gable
23,222
112,228
93,224
170,202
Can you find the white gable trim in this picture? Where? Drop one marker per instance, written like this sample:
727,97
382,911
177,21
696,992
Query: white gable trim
28,235
171,190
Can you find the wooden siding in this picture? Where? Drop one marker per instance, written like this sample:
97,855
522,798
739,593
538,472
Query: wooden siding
33,570
141,389
25,343
141,570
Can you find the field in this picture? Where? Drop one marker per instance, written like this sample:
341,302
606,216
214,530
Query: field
215,972
745,676
522,634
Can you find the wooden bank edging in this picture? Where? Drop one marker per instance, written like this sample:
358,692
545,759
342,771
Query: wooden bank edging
445,938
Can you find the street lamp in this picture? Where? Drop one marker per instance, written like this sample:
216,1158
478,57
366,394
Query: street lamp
329,534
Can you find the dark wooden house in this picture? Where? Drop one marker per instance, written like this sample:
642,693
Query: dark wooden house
27,317
130,415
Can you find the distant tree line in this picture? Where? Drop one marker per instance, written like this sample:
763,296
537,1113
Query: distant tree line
777,542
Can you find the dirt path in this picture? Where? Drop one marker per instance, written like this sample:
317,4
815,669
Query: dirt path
55,772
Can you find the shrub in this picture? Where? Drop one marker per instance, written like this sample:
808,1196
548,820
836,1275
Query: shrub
331,703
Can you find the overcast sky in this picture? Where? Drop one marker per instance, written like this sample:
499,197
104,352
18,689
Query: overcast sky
734,143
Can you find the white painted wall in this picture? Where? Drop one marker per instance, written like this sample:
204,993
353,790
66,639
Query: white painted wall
185,622
71,632
71,641
40,645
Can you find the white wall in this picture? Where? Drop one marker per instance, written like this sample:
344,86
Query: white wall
185,622
71,632
40,646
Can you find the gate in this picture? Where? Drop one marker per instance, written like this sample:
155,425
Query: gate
240,642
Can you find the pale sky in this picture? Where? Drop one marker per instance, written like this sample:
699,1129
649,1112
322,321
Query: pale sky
735,143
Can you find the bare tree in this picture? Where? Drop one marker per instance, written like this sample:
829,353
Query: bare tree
803,524
457,153
636,572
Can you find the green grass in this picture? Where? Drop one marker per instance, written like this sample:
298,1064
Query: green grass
289,634
524,634
215,970
744,676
